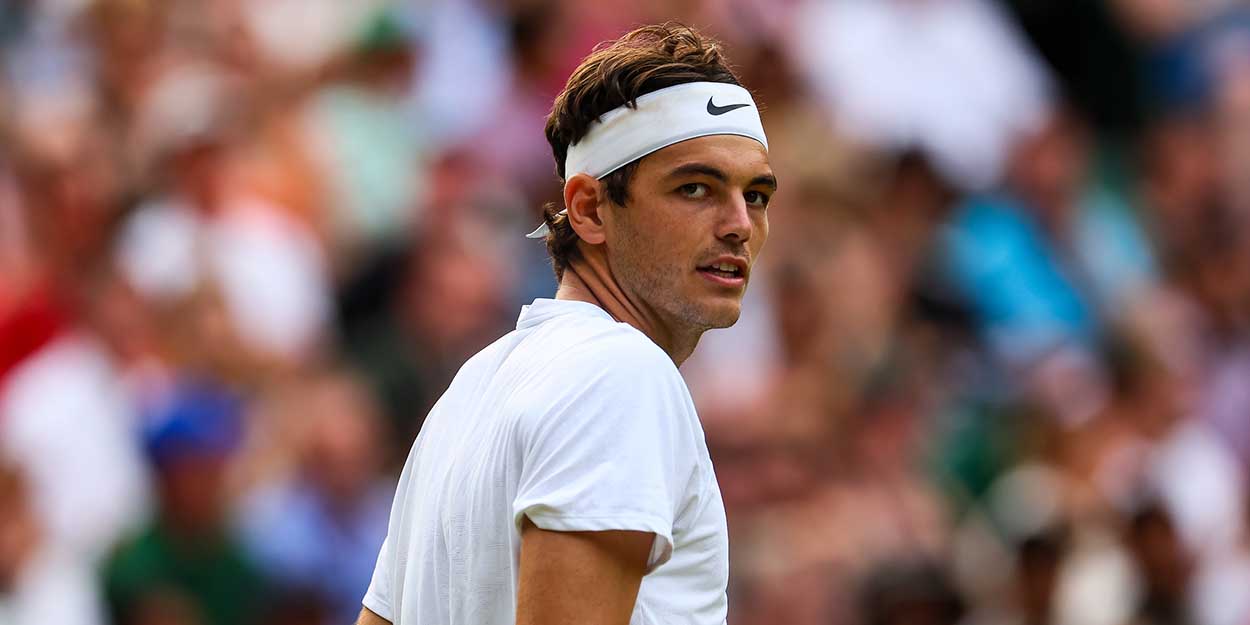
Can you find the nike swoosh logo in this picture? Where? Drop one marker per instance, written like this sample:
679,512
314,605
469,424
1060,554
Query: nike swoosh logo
712,109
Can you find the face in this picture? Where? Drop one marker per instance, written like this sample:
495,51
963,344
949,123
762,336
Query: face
694,224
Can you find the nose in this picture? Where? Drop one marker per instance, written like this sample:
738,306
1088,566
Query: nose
735,221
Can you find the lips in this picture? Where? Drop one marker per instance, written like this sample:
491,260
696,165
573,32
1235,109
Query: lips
725,270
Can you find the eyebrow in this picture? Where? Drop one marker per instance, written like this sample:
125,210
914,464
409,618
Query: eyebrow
766,180
690,169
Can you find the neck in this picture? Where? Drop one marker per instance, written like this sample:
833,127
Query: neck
592,282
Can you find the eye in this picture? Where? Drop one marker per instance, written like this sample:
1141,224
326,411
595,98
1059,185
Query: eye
756,198
694,190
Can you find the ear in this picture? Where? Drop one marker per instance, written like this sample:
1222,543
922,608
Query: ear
583,197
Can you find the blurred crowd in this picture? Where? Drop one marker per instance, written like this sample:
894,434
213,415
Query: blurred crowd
994,366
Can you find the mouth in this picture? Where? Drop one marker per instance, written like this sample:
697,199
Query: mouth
725,271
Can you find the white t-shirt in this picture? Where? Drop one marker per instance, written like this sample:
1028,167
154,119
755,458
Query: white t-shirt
580,423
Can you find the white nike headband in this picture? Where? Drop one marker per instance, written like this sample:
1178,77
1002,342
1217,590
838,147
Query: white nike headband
661,118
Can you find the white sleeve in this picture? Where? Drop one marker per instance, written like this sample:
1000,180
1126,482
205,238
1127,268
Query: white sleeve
607,446
378,596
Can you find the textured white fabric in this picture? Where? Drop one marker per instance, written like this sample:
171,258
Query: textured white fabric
580,423
660,119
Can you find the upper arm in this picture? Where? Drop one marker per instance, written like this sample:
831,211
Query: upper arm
609,449
589,578
367,617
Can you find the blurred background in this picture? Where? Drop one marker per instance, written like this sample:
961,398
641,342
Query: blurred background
994,366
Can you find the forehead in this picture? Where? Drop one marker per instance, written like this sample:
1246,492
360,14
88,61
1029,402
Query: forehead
736,156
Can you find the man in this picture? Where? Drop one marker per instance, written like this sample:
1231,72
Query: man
563,476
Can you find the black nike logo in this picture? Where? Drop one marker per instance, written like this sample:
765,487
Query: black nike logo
721,110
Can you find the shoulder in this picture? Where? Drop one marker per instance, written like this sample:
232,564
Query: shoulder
614,373
613,353
627,342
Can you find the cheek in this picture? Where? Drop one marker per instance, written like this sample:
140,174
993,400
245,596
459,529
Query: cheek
759,237
672,249
670,217
664,235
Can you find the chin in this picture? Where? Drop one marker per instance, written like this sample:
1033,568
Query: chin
722,315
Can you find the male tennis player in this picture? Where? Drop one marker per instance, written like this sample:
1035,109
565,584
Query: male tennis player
563,477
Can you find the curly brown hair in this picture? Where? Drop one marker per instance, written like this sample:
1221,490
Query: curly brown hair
616,73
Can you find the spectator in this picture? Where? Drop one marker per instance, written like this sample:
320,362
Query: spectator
332,514
187,566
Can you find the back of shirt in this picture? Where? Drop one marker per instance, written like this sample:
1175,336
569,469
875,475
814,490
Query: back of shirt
579,423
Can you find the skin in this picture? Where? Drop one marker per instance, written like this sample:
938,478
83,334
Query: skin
367,617
689,205
573,578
